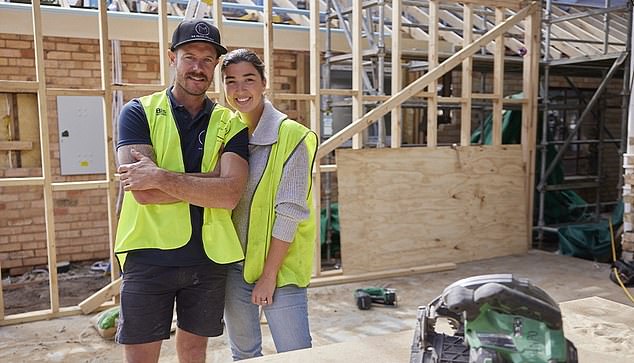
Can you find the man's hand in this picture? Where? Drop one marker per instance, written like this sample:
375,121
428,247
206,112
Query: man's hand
139,175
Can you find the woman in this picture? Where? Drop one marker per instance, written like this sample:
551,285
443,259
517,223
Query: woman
275,218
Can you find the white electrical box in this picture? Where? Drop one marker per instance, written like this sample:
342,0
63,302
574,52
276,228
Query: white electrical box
81,140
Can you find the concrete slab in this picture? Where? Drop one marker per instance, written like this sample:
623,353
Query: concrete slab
334,317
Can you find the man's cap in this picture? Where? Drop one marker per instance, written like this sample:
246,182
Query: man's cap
197,30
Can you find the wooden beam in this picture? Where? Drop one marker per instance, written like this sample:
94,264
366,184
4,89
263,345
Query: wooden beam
18,86
432,60
44,315
397,74
467,78
530,73
15,145
216,11
344,279
315,123
268,49
417,86
422,18
294,96
106,85
337,92
22,182
581,33
300,86
81,185
255,14
297,18
164,61
95,300
49,216
1,296
328,168
137,87
74,92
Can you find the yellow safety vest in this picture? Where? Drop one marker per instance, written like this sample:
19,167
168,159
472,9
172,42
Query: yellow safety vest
298,263
168,226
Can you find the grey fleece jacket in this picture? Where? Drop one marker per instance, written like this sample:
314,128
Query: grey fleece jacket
290,202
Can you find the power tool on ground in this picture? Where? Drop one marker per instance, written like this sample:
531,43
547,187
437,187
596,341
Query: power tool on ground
378,295
494,319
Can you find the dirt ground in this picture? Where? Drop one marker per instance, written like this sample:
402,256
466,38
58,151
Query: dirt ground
30,291
334,317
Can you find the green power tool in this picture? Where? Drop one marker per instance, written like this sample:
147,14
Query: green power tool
378,295
495,319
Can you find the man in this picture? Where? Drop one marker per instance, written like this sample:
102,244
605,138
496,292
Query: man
183,167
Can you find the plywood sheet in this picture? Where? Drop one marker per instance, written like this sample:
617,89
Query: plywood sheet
601,329
408,207
383,348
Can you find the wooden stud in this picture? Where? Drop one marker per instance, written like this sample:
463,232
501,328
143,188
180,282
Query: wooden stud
106,85
432,61
416,86
49,216
467,78
216,11
300,86
268,49
498,80
1,295
532,41
357,68
397,74
315,123
163,44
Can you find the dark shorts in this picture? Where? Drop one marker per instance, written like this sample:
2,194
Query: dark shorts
148,294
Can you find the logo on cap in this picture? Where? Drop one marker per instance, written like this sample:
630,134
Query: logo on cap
202,29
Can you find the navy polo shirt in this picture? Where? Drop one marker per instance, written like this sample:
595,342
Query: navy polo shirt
133,129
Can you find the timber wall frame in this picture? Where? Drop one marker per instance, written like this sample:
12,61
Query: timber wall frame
509,13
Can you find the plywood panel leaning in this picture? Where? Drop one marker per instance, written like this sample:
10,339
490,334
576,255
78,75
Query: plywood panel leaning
418,206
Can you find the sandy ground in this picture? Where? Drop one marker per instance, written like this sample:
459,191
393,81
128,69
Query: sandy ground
335,318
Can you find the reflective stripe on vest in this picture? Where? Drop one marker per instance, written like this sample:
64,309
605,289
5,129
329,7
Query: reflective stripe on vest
298,263
168,226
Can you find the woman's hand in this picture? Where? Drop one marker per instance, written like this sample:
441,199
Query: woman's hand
264,290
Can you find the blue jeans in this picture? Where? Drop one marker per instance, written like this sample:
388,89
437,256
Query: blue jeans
287,317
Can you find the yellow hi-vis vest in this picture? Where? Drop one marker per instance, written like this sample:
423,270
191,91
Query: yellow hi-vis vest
298,263
168,226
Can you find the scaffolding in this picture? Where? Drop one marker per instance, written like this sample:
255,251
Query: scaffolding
593,41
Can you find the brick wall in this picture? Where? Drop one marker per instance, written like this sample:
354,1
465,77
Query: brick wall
81,217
